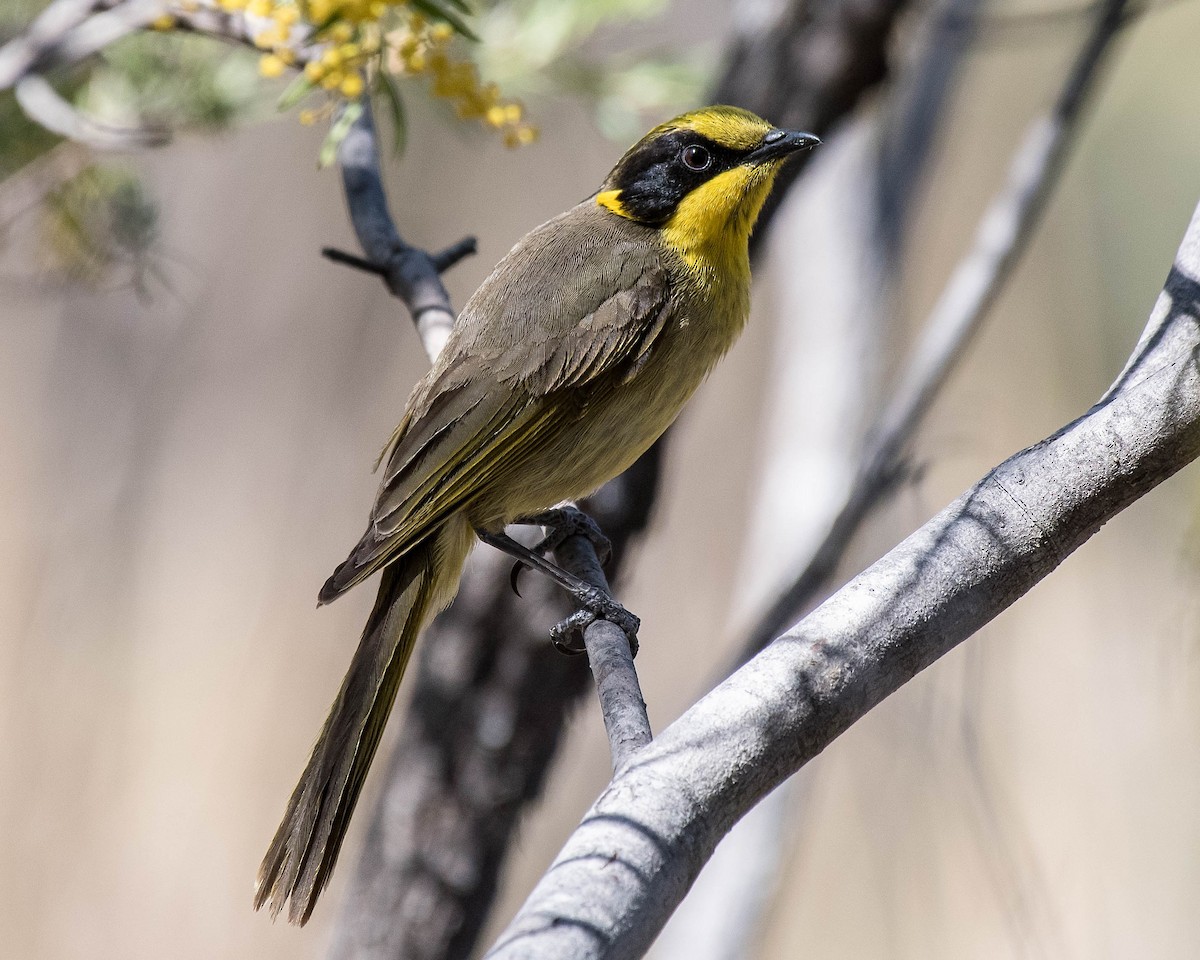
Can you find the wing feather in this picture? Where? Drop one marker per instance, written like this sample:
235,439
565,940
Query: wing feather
579,298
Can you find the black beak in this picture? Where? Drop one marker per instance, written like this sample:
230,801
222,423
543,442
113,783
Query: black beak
779,143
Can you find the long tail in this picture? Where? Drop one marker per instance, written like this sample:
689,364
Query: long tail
306,845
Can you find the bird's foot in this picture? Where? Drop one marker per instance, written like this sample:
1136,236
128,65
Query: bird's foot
567,520
561,523
595,605
595,601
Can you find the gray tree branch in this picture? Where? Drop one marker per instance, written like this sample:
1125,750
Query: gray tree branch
46,106
806,67
641,845
1004,232
410,274
64,38
24,52
917,110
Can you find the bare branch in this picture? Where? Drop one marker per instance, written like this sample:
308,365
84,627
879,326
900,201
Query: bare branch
21,54
69,31
24,55
639,848
915,115
1003,234
45,105
410,273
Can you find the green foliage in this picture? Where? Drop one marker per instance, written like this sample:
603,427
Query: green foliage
23,141
337,133
174,79
446,12
538,48
98,220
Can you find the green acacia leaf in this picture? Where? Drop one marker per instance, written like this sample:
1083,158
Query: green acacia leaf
390,89
296,91
435,10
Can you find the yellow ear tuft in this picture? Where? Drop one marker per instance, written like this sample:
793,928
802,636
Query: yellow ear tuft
611,200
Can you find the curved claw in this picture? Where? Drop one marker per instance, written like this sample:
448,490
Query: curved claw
567,635
514,577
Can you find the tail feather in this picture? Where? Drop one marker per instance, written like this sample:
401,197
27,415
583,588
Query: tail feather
306,845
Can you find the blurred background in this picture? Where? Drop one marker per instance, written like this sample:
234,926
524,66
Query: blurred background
187,427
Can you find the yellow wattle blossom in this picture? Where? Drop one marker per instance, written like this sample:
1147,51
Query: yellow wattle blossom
342,44
422,48
271,65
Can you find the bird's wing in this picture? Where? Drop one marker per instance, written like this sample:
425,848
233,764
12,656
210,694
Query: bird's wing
558,313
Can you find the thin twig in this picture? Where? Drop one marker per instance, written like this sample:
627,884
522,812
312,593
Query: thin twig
353,260
611,661
1003,234
410,273
46,106
627,866
71,30
22,53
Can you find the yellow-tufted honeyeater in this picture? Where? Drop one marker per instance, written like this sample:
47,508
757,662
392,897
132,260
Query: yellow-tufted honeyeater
567,363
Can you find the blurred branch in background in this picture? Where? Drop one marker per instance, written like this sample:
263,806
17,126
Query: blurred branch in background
62,38
1003,234
806,65
660,820
918,105
831,328
50,109
839,308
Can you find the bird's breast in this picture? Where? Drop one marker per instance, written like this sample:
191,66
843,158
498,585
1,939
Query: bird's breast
620,416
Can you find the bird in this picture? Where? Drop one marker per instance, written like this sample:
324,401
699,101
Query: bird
569,361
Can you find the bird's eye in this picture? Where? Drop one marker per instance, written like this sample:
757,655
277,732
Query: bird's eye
695,157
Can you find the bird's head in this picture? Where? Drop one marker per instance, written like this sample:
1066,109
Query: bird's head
702,177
